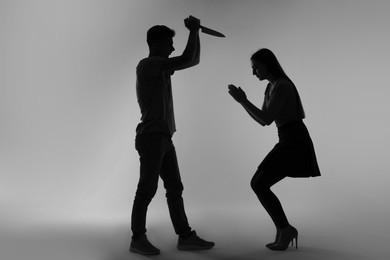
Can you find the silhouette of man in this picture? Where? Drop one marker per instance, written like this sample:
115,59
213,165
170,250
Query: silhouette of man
153,136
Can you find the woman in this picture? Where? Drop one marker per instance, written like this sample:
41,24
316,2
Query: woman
293,155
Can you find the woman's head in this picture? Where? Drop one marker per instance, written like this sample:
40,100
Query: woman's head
266,66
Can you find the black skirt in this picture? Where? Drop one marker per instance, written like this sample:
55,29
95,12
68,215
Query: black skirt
294,155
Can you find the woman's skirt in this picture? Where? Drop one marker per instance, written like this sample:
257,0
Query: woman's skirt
294,155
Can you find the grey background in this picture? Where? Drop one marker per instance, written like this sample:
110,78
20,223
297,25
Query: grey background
68,112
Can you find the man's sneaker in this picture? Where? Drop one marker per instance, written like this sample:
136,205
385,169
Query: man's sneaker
142,246
193,242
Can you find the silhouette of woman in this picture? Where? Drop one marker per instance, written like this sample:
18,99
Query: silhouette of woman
293,155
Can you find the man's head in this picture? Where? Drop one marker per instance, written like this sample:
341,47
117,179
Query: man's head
159,39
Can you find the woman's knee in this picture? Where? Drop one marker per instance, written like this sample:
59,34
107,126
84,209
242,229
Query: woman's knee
253,183
257,182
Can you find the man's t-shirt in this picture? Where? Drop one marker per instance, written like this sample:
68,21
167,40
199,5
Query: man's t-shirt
154,94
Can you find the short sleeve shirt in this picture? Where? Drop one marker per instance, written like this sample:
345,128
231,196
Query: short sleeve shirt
154,95
289,110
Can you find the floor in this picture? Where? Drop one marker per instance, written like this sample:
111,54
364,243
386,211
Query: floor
238,235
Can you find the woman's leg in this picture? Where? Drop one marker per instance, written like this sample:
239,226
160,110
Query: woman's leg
261,184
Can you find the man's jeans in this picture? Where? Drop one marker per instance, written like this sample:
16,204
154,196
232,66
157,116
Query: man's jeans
158,159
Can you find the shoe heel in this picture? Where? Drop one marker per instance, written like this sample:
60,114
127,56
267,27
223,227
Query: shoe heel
285,240
296,242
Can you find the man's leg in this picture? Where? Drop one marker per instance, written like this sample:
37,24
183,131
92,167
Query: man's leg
151,153
188,240
174,188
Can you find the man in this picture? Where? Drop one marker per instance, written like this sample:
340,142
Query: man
154,133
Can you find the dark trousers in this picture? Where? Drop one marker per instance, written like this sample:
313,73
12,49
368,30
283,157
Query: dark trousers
158,159
261,184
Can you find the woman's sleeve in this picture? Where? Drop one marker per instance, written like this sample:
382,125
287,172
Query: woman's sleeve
278,98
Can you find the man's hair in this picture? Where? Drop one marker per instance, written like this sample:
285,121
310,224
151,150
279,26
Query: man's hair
157,33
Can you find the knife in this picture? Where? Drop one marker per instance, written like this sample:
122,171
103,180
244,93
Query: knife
211,31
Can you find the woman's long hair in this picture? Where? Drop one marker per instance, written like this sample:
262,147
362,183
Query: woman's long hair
269,60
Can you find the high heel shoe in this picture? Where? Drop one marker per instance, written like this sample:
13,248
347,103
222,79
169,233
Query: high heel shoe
287,235
276,239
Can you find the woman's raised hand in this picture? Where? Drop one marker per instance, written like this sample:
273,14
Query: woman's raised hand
237,93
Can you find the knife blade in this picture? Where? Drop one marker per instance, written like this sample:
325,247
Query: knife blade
211,31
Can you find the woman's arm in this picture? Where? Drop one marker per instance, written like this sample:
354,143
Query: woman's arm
257,114
276,103
239,95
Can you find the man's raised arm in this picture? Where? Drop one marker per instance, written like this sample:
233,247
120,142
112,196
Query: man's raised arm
191,53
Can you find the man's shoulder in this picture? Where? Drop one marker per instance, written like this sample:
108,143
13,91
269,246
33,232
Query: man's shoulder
151,60
150,65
